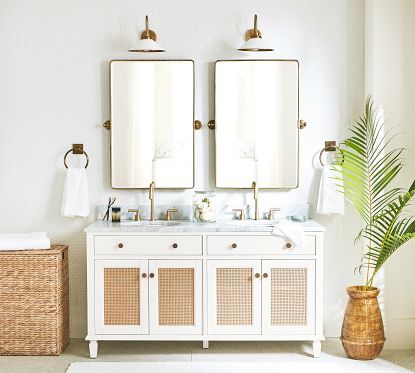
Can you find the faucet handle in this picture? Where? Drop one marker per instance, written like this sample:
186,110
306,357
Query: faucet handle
241,213
136,215
271,212
168,213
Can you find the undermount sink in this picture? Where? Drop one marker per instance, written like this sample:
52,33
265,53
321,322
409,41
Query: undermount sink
157,223
253,223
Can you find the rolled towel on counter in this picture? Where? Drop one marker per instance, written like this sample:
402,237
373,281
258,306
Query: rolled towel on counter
24,241
291,230
75,200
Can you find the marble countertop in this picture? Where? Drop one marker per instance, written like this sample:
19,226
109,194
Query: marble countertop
188,226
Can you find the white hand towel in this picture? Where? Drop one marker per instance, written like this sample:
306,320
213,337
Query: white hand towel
75,200
330,199
292,230
21,241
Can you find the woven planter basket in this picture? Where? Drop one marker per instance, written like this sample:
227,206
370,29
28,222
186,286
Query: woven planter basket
34,301
362,331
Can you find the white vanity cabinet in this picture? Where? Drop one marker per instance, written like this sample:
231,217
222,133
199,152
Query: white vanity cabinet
209,283
275,297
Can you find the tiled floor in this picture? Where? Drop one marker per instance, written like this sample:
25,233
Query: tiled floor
190,351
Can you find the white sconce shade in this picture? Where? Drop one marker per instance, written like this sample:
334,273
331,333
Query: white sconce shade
147,42
254,41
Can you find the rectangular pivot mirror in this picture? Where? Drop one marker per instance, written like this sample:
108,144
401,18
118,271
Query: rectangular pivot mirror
256,115
152,114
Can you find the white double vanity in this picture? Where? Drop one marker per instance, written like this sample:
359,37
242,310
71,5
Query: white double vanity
222,281
230,280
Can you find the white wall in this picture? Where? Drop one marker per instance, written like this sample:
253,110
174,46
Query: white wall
390,77
54,92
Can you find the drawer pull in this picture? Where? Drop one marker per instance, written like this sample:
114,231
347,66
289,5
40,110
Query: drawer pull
175,246
120,245
257,275
144,275
265,275
288,245
234,246
151,275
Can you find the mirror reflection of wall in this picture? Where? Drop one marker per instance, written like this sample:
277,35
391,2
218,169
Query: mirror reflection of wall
152,116
256,115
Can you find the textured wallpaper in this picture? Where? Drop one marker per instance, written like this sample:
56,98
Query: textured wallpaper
54,91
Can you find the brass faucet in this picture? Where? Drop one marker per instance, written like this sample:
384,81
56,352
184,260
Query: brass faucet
151,196
255,188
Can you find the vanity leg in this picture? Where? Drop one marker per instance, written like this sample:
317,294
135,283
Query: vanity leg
205,344
316,348
93,349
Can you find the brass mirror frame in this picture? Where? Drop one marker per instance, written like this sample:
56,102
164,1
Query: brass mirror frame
192,124
298,120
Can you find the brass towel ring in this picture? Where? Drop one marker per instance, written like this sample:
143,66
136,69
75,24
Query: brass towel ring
329,146
76,149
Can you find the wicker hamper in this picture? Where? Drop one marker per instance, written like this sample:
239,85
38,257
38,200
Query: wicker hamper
34,301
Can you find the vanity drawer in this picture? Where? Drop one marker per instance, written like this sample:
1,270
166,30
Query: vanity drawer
258,245
148,245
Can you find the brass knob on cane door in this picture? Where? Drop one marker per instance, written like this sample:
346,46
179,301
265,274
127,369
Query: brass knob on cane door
120,245
144,275
151,275
265,275
257,275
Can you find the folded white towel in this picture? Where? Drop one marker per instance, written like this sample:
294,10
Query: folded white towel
292,230
75,200
330,199
21,241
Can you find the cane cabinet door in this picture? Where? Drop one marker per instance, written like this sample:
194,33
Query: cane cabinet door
175,296
121,296
234,296
288,297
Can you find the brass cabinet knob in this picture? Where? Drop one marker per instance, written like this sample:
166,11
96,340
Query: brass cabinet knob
144,275
175,246
120,245
265,275
288,245
257,275
151,275
234,246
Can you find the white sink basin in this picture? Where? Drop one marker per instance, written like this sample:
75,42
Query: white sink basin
253,223
158,223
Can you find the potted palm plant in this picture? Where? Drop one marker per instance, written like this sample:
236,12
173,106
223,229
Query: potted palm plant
368,167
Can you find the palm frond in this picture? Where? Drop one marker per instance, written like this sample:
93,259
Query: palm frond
367,171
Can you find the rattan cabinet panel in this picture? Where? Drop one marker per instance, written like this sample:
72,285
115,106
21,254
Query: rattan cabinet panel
234,296
121,296
288,296
175,296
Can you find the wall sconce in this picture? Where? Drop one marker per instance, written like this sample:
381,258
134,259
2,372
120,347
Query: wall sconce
254,41
147,42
